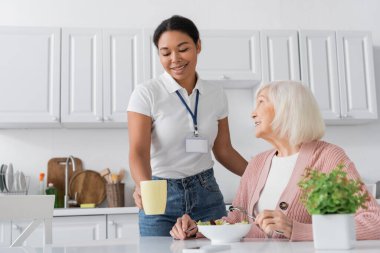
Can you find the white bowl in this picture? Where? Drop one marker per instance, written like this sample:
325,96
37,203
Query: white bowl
224,233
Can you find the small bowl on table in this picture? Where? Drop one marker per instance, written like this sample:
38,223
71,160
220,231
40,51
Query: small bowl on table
225,233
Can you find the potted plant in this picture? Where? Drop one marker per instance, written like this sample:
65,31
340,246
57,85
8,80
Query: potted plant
332,200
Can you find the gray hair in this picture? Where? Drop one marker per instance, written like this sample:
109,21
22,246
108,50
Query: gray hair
297,115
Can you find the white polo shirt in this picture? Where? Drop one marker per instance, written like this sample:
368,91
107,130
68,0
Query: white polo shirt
172,123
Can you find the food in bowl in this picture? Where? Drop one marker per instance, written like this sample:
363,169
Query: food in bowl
220,231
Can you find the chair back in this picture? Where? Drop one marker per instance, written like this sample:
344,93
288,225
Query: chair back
37,208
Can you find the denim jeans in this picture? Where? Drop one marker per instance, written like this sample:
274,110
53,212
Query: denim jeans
199,196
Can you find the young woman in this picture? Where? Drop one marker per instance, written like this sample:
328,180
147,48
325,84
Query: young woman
174,121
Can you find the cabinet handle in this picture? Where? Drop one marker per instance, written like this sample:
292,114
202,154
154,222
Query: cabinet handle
111,223
99,118
54,118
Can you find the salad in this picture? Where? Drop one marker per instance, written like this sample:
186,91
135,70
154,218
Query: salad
219,222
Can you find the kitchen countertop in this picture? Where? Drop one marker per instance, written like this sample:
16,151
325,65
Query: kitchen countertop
93,211
168,245
99,211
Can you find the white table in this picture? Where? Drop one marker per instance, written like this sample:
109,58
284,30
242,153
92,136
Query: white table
168,245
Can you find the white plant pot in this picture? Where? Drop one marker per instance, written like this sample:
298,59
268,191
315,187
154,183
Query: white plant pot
334,231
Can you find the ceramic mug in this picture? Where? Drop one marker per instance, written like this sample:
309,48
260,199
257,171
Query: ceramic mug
153,194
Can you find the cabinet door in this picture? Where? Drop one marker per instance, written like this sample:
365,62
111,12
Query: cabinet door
124,226
225,56
82,92
66,230
279,55
319,70
5,233
356,75
230,55
122,70
29,77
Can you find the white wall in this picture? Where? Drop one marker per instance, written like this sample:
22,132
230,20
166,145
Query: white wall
30,150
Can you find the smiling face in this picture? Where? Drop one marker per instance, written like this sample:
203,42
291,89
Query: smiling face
178,55
263,116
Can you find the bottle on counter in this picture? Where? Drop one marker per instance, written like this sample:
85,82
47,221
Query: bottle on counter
41,182
51,190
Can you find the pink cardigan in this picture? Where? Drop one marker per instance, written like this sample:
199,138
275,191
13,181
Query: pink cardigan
320,155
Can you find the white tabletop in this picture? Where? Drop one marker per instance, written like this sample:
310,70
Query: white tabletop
168,245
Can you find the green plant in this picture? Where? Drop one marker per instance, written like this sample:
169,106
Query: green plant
331,193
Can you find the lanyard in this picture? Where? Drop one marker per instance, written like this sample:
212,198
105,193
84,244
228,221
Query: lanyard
193,115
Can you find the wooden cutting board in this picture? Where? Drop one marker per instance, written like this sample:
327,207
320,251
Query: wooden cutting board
56,174
90,187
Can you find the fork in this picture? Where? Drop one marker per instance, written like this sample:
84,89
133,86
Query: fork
242,210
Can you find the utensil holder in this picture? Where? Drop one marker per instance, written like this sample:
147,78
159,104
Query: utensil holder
115,195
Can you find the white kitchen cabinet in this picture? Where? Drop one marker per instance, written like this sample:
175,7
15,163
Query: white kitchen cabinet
66,230
338,68
29,77
5,235
99,71
82,75
319,70
279,55
122,70
230,57
124,226
356,75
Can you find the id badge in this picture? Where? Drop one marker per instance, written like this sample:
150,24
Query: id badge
196,145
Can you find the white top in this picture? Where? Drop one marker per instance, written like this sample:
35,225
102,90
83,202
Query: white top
280,171
172,123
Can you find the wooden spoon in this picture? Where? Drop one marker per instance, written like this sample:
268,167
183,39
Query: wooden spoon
121,175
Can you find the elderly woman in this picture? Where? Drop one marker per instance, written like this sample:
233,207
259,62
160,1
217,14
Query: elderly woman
287,116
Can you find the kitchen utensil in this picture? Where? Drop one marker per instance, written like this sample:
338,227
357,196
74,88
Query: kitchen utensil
90,187
154,196
9,178
1,178
115,195
121,175
56,174
106,175
22,182
16,182
114,178
242,210
4,172
225,233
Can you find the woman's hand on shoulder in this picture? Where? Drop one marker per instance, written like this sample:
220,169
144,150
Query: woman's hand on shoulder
271,221
184,228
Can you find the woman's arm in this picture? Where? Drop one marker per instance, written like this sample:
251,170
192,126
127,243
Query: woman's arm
367,221
139,132
225,153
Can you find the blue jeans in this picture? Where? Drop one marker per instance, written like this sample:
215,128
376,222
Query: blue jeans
199,196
